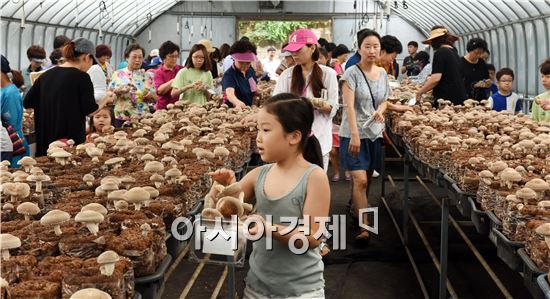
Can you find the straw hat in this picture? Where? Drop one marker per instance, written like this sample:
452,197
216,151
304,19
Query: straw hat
437,33
207,44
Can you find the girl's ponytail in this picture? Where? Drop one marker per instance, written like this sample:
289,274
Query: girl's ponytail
312,151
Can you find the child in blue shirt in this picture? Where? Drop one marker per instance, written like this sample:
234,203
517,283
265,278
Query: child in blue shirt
505,99
493,88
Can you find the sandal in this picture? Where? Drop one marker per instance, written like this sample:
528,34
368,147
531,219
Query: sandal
335,178
348,177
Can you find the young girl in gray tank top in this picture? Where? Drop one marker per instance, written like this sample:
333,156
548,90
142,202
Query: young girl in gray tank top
293,185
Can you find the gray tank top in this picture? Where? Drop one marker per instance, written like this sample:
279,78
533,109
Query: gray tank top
280,273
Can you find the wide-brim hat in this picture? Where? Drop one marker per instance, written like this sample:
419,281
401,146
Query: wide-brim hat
437,33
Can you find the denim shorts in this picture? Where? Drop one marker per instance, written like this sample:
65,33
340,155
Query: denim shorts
368,158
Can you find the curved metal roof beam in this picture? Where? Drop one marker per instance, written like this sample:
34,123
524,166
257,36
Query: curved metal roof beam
420,23
467,18
449,18
83,13
426,21
459,20
482,17
38,8
155,15
126,11
53,3
63,12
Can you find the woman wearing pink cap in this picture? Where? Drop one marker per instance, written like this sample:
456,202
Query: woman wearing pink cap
308,79
239,80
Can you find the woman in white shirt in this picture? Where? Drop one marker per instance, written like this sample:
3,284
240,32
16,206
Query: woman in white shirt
308,79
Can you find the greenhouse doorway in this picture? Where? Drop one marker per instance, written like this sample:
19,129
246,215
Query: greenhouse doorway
274,33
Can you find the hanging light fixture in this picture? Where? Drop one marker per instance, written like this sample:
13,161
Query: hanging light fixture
23,17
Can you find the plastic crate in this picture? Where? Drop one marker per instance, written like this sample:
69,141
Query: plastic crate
479,218
494,224
507,250
150,286
175,246
462,203
542,281
530,274
448,181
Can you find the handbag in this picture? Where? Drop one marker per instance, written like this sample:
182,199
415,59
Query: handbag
18,147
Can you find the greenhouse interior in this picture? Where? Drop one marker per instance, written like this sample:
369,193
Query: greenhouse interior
333,149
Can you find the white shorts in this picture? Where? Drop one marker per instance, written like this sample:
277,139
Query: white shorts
251,294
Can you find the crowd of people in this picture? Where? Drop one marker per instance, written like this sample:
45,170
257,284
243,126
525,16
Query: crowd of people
325,107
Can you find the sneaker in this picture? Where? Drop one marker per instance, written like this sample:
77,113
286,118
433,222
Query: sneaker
375,174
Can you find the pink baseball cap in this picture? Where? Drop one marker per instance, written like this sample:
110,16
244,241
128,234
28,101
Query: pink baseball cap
300,38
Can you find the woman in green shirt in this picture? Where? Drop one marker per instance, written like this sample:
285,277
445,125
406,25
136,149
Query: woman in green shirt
192,83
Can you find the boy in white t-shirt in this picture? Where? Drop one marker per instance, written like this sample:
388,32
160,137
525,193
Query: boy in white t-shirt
505,99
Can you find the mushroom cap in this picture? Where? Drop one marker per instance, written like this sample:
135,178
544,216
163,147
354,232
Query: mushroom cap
172,172
156,178
54,217
121,204
115,160
497,166
117,195
3,283
9,241
544,204
38,178
543,229
210,213
127,179
147,157
28,208
486,174
221,151
526,193
137,195
26,161
95,207
538,185
110,179
90,293
510,174
153,192
61,154
230,206
89,217
108,256
88,178
109,186
154,166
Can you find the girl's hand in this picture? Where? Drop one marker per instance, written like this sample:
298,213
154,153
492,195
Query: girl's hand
223,176
379,117
258,219
354,145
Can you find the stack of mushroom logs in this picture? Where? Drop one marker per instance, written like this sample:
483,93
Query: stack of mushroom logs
502,158
97,213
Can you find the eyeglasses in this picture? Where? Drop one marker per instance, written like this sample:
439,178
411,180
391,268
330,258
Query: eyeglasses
198,57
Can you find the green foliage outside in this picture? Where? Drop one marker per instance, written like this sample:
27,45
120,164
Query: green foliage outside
264,33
